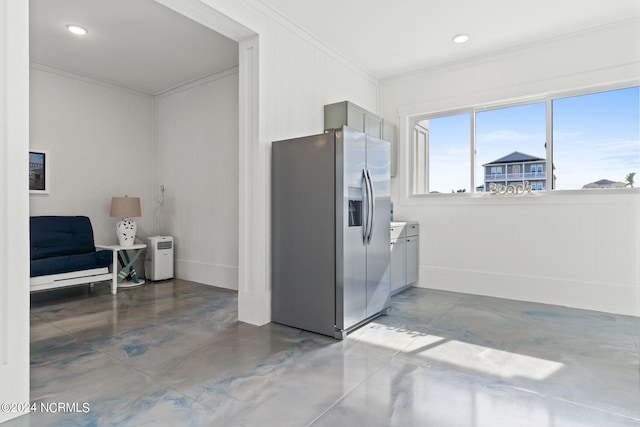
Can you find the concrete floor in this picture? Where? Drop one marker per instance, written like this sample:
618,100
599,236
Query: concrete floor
173,354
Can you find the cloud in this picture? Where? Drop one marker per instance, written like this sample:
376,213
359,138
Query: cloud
580,161
509,135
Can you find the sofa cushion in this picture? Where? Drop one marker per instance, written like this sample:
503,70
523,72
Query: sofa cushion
53,236
68,263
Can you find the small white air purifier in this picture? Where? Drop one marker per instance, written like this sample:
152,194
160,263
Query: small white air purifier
158,264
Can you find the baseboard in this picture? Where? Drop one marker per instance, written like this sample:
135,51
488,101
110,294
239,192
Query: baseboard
603,297
207,273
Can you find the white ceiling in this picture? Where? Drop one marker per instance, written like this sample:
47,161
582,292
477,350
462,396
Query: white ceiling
142,45
387,38
138,44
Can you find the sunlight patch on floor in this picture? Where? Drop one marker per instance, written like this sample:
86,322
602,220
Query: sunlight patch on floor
425,348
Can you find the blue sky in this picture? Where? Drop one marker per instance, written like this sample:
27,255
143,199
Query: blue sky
36,158
596,136
449,156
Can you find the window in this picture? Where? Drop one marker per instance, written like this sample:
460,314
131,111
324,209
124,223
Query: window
442,159
596,139
511,137
592,141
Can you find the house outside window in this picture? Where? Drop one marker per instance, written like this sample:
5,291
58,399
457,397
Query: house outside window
515,163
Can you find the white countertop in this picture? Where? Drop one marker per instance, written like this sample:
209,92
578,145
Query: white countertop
402,223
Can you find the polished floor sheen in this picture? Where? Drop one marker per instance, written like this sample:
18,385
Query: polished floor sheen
173,354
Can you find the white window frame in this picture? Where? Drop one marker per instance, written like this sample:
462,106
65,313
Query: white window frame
549,185
415,122
420,158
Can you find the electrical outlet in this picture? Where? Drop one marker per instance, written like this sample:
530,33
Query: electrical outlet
161,196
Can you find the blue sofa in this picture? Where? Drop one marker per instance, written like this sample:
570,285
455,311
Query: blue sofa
63,253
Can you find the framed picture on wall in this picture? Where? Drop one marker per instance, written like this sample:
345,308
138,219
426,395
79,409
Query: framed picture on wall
39,182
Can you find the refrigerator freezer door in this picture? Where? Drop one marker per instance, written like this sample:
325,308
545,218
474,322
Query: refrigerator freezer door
378,250
303,233
351,289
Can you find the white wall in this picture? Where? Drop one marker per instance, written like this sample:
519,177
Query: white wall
14,204
567,248
100,142
197,162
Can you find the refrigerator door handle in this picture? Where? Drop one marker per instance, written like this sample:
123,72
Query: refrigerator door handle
372,206
365,194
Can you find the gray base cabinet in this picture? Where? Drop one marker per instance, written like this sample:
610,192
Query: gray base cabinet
398,256
404,254
412,259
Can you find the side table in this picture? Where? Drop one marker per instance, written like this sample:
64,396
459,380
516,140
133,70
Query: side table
126,264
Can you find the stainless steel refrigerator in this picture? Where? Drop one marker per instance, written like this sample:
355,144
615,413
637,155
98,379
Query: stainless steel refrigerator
330,216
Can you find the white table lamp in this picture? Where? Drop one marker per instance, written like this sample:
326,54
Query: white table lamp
126,208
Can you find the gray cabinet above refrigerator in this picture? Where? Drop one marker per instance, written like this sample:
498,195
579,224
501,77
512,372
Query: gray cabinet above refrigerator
347,113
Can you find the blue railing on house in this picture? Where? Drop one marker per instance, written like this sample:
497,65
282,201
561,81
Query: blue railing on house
514,176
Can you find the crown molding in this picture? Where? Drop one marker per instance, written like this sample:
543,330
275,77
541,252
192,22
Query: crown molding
87,79
199,81
280,18
115,86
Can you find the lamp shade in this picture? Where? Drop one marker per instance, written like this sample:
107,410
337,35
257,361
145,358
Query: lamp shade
125,207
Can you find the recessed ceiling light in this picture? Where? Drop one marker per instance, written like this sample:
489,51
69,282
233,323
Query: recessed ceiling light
77,29
460,38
